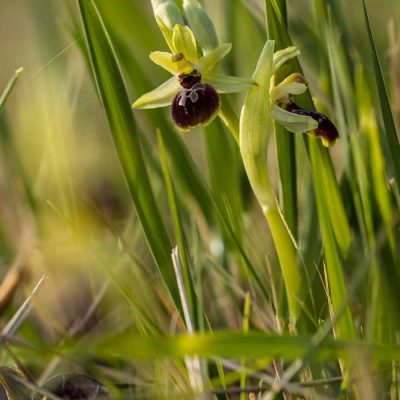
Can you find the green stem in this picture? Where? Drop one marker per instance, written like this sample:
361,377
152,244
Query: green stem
287,254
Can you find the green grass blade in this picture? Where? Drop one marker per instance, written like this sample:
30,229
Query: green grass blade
225,171
123,130
388,121
344,327
127,345
377,168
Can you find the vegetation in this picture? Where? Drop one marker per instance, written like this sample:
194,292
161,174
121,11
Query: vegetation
235,235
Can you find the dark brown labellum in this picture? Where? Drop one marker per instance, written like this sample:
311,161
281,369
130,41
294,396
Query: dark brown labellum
326,130
197,105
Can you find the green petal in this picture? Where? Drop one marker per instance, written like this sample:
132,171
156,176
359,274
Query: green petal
165,60
184,42
283,90
227,84
160,97
213,57
281,56
293,122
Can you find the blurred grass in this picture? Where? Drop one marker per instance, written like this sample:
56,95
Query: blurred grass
65,208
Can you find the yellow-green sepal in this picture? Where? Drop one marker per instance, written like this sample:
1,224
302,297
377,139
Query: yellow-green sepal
293,122
162,96
227,84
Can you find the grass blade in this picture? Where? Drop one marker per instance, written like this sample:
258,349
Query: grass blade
388,121
126,141
182,254
235,345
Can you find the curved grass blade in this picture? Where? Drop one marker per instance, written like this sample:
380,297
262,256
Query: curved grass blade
117,108
225,170
388,121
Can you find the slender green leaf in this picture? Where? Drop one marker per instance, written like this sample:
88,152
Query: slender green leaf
388,121
236,344
179,233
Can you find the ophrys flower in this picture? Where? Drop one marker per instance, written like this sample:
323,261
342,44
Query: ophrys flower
286,111
193,90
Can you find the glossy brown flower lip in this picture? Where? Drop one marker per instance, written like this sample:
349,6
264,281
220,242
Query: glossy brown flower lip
326,130
196,105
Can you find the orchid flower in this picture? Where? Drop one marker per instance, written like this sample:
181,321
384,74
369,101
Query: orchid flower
193,90
289,114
